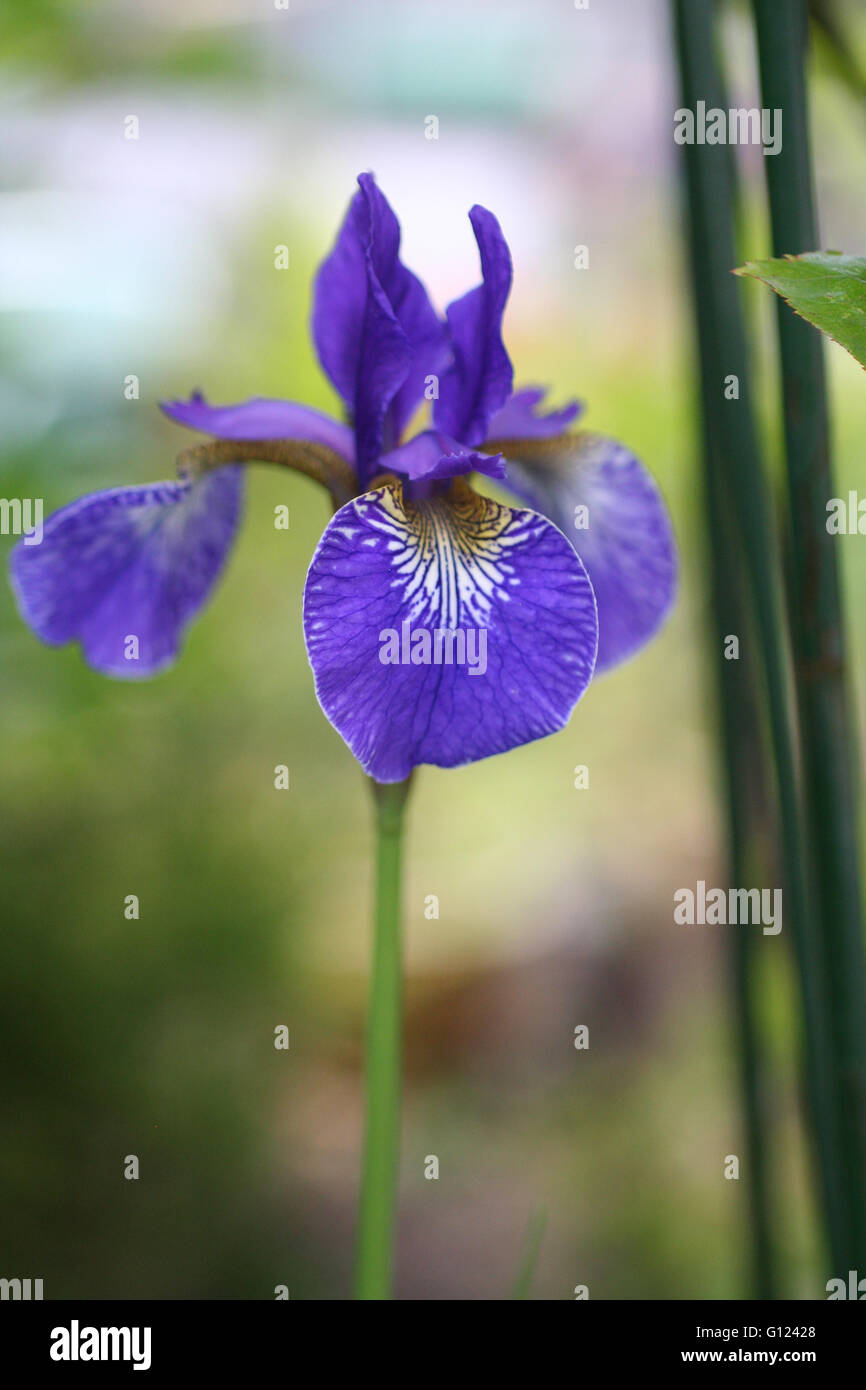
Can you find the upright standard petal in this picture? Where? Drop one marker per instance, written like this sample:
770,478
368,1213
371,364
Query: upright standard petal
446,630
124,571
262,418
478,381
518,418
611,509
377,335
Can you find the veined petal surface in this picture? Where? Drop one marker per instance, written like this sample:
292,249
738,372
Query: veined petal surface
124,571
611,509
506,594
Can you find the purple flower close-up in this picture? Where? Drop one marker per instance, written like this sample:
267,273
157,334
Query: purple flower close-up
575,576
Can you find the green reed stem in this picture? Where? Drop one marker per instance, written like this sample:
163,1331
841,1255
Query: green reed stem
723,351
828,747
381,1156
743,768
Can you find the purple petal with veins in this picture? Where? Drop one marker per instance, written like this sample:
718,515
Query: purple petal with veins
462,569
130,563
609,506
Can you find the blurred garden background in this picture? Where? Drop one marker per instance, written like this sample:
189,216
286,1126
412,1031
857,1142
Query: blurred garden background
155,257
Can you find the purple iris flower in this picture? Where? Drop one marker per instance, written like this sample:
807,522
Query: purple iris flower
441,626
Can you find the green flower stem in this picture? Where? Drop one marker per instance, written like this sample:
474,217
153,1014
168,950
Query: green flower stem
380,1165
829,753
723,351
744,773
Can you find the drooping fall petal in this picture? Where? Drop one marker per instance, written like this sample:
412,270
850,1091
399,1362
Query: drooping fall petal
124,571
500,583
609,506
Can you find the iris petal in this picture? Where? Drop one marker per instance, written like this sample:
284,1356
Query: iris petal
377,334
518,418
129,563
432,456
459,564
262,418
623,536
478,382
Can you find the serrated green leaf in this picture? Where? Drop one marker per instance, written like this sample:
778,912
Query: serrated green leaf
824,287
